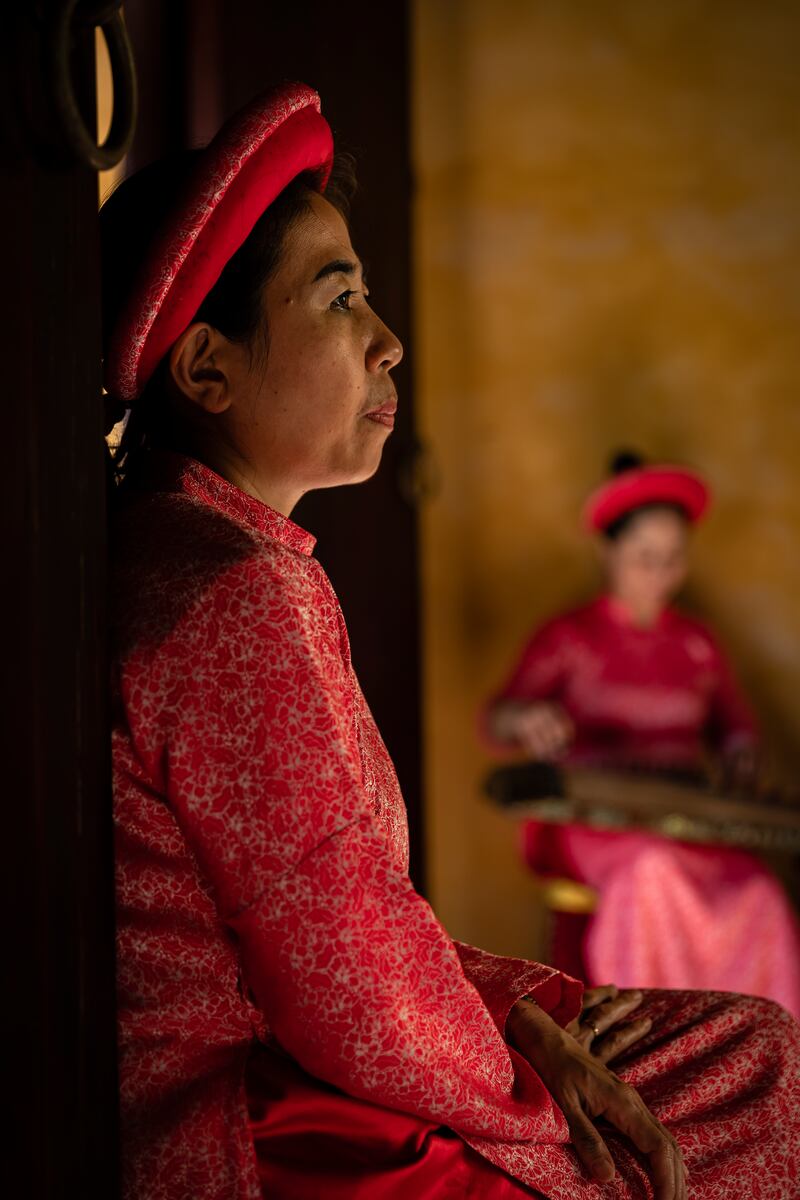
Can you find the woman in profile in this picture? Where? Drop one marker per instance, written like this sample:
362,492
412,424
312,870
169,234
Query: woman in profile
630,681
294,1022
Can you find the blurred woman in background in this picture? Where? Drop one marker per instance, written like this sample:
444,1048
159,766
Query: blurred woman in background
630,681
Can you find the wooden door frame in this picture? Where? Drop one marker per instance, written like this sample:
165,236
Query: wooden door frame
59,989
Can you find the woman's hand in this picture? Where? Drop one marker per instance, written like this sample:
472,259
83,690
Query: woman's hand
584,1089
542,729
739,770
597,1029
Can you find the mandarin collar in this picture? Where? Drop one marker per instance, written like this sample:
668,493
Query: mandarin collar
619,614
178,472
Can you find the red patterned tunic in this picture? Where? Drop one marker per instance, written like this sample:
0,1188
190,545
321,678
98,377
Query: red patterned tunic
658,696
267,923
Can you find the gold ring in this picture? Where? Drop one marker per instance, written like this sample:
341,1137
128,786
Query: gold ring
594,1029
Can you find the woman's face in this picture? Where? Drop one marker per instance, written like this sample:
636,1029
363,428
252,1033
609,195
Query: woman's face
316,409
647,563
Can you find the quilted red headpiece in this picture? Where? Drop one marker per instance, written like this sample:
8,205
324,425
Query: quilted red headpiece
646,485
255,155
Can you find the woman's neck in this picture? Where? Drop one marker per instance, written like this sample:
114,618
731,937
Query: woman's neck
280,494
642,616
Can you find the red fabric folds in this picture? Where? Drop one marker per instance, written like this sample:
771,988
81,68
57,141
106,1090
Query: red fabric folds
312,1140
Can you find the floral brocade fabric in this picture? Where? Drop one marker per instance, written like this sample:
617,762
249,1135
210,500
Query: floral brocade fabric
263,896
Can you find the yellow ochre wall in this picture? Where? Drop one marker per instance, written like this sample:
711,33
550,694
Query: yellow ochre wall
607,253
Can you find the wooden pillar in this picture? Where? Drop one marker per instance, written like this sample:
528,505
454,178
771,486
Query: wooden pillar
57,865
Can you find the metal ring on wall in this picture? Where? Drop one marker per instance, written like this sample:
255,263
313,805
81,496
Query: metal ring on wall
83,145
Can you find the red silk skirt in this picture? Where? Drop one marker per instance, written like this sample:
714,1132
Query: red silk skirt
313,1141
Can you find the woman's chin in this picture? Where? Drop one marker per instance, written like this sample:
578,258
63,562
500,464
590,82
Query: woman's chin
367,471
369,462
357,472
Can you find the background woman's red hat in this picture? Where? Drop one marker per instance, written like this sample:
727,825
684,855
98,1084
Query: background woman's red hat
646,485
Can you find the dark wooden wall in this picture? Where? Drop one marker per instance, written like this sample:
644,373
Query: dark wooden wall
58,966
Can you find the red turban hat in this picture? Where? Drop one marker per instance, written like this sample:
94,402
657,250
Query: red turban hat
255,155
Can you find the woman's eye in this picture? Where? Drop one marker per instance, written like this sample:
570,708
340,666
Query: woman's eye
343,301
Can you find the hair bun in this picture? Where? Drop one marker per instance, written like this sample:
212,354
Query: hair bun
625,460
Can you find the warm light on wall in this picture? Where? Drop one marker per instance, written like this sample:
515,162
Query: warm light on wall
607,249
106,180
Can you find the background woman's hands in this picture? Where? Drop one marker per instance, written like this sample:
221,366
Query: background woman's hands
541,728
738,770
585,1088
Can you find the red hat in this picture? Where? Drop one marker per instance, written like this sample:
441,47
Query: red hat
255,155
646,485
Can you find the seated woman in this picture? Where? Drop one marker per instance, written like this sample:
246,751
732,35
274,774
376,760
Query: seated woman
293,1020
630,681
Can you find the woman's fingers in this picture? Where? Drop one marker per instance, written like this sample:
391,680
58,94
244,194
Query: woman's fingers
598,1028
536,734
585,1089
626,1111
537,746
611,1011
528,732
559,729
543,730
598,995
589,1146
566,727
619,1040
592,997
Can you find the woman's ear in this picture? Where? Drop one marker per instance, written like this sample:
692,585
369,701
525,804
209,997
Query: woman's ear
197,365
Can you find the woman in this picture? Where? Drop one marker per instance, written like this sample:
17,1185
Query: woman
630,681
294,1022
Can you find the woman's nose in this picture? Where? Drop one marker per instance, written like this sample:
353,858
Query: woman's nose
385,349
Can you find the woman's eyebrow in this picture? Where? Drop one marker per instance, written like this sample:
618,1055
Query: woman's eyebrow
339,266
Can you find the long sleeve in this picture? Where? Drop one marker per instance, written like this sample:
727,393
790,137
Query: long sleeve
541,667
501,981
538,675
731,723
355,976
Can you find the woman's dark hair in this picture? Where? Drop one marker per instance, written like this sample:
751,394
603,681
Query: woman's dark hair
129,221
629,460
625,460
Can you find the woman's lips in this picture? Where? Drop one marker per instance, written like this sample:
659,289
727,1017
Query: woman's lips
382,418
384,415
